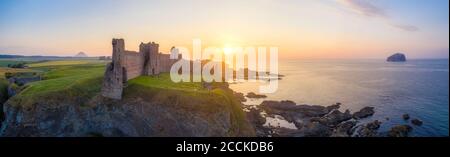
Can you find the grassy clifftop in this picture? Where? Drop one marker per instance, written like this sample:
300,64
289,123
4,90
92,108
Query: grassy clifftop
166,106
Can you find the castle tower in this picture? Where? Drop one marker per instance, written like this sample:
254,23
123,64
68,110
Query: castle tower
150,52
144,51
154,59
112,86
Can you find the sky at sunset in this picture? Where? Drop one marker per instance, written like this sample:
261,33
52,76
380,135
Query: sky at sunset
299,28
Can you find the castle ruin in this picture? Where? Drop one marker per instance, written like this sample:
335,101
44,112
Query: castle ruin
127,65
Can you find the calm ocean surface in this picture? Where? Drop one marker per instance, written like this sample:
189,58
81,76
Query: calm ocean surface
419,88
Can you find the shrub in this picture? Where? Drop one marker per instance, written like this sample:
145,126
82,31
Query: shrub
9,75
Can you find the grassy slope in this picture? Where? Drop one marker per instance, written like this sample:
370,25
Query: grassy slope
80,81
64,81
164,81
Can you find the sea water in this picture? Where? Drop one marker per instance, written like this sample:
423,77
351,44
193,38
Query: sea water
419,88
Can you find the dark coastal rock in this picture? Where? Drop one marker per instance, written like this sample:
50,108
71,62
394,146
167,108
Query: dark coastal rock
405,116
318,121
333,118
398,57
344,129
255,118
240,96
334,106
369,129
316,129
291,111
313,129
364,112
400,131
255,96
417,122
373,125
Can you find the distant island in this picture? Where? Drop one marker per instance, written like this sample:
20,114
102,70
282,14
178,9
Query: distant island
397,57
81,54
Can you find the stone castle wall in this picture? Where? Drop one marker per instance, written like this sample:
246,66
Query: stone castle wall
127,65
133,64
165,62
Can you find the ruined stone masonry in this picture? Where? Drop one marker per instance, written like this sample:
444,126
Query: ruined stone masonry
127,65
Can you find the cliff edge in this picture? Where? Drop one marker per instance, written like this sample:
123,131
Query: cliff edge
145,110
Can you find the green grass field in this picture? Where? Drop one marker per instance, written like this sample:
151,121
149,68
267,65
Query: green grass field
163,81
62,62
63,79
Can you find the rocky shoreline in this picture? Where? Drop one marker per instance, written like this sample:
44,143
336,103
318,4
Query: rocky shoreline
318,121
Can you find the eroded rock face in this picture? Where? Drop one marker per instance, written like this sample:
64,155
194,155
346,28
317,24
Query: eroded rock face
113,82
398,57
255,118
129,117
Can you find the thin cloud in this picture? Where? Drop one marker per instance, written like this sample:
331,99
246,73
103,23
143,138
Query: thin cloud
367,8
409,28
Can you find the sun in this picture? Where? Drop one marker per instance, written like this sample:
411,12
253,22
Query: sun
228,49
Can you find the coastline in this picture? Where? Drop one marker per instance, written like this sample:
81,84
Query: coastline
317,121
